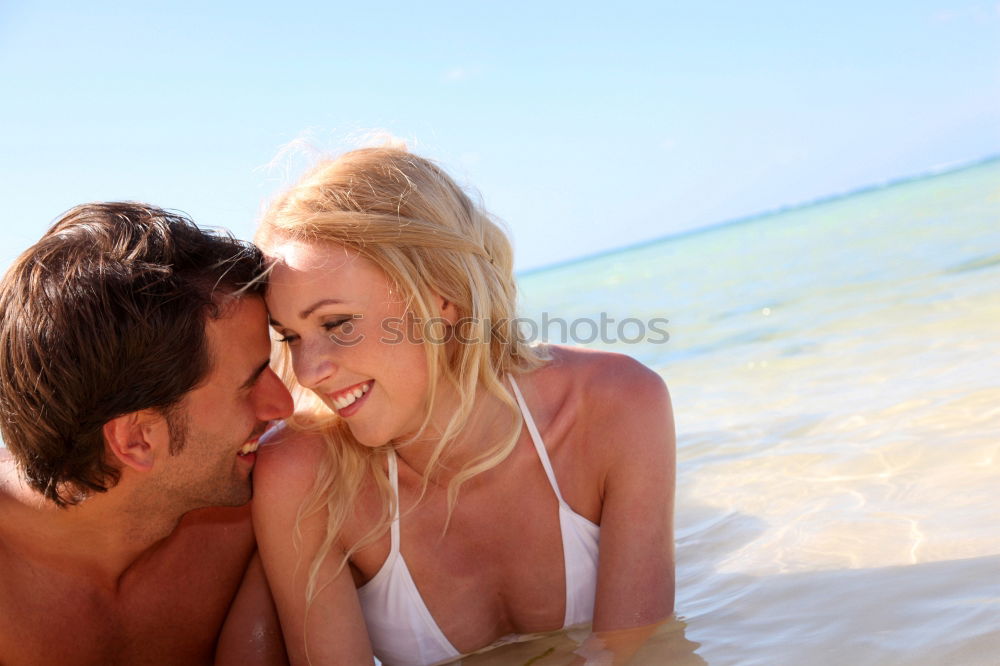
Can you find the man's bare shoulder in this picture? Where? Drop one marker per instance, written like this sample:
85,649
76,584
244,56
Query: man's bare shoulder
57,610
219,521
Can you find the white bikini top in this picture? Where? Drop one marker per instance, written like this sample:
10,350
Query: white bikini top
402,630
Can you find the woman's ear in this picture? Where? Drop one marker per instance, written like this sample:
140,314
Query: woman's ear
137,439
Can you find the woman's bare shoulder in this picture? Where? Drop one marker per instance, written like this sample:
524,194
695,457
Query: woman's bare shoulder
288,458
619,404
603,376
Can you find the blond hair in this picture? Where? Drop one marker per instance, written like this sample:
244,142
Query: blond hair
407,216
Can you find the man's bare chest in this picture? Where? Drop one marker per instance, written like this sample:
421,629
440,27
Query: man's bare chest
168,611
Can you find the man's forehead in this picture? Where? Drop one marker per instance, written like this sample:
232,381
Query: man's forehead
238,340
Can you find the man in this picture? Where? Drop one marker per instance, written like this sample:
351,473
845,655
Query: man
134,384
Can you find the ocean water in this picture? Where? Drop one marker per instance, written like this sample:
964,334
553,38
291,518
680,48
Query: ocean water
835,374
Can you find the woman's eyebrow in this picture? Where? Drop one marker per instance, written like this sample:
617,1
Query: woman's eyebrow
312,308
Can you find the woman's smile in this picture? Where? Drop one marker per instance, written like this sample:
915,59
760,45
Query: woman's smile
348,401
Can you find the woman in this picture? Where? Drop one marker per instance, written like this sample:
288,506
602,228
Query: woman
445,486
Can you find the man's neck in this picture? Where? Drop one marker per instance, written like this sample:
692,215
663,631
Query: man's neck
100,538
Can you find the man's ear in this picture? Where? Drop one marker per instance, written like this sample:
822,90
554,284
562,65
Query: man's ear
137,439
447,310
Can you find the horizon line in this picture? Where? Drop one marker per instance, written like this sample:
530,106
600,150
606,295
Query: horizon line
941,170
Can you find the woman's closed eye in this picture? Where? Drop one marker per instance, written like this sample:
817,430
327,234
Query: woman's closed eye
333,325
329,326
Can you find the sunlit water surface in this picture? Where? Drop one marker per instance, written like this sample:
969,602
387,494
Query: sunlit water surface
836,383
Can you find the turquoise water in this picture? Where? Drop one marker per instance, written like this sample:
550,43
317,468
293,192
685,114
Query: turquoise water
836,383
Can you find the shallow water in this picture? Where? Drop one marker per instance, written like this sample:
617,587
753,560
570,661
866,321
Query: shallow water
836,384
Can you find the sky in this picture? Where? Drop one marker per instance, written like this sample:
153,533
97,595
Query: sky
584,126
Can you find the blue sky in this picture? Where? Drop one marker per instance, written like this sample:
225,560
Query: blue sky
585,126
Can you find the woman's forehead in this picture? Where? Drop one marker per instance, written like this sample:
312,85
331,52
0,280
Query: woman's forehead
301,265
302,256
304,272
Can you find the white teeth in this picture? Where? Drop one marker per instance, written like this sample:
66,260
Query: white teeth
249,447
351,396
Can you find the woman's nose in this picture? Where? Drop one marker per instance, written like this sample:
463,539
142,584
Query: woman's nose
312,368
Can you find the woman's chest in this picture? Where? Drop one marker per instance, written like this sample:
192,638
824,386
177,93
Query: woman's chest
497,570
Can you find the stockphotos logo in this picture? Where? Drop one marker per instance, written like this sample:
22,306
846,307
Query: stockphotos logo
469,330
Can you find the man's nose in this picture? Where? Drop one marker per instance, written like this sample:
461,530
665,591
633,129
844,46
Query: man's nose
273,401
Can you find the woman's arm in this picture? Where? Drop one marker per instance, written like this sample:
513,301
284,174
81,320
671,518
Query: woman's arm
251,635
331,630
635,581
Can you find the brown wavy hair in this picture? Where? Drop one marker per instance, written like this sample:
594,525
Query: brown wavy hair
105,315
